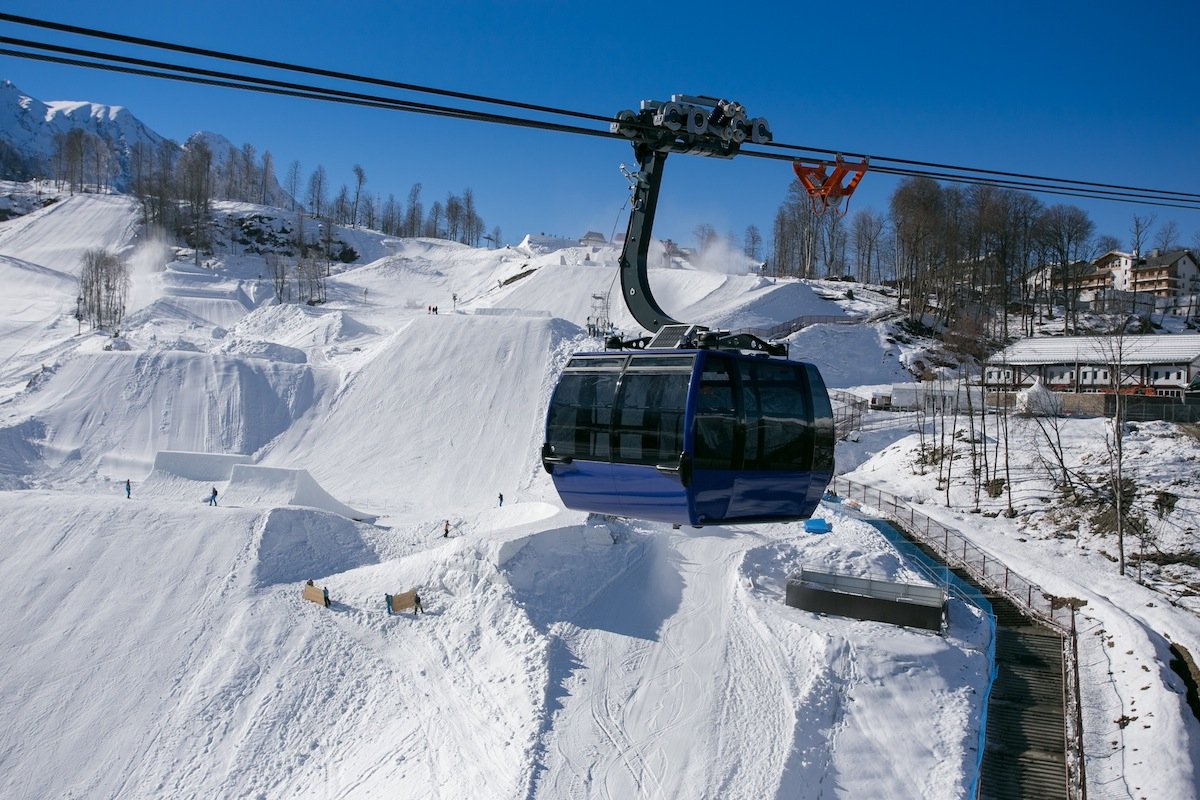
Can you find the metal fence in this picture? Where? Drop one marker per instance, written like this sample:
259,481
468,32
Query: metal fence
799,323
959,553
1147,409
848,410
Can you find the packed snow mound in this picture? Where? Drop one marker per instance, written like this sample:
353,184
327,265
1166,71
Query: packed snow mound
1038,401
19,453
257,348
187,477
299,326
177,316
251,485
718,300
420,273
297,544
197,466
405,413
850,355
58,235
139,403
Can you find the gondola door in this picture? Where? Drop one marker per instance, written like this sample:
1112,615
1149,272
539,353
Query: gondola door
578,450
718,437
650,471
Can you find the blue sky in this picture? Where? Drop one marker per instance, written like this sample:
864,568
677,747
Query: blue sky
1096,91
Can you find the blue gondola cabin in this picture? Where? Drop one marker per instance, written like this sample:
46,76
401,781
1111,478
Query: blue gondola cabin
690,437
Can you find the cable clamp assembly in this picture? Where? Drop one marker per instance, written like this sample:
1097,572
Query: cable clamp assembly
829,189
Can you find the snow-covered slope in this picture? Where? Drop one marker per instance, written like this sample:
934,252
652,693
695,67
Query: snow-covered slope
160,647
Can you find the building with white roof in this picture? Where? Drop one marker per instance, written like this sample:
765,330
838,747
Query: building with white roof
1165,365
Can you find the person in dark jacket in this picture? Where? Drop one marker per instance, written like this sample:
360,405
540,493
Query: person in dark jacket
128,489
417,608
212,498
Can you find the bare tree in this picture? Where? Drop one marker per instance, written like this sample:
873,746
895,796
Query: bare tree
327,232
1139,231
454,217
250,179
433,222
753,241
472,222
195,166
795,234
1167,237
369,205
268,175
1107,244
103,288
1114,352
413,212
317,187
341,206
228,178
293,182
390,222
916,209
310,281
360,178
1067,234
277,270
867,228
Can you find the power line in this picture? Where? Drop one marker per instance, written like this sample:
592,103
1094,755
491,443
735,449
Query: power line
199,75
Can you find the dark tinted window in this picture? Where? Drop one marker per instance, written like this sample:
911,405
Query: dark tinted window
822,420
779,433
580,414
649,418
716,417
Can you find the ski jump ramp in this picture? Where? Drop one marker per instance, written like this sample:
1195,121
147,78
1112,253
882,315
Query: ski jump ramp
246,485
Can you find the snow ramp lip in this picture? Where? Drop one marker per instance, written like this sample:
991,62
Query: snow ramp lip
254,485
197,466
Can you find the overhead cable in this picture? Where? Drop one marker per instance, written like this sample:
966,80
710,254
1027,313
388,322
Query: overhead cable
92,59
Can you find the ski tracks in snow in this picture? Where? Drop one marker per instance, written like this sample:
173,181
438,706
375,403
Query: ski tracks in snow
668,647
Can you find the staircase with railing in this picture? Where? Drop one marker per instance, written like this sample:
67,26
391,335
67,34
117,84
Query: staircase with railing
1034,738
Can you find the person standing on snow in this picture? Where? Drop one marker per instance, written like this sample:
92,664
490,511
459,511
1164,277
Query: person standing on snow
128,489
212,498
446,530
501,499
417,608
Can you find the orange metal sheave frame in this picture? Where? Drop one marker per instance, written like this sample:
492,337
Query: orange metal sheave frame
828,188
